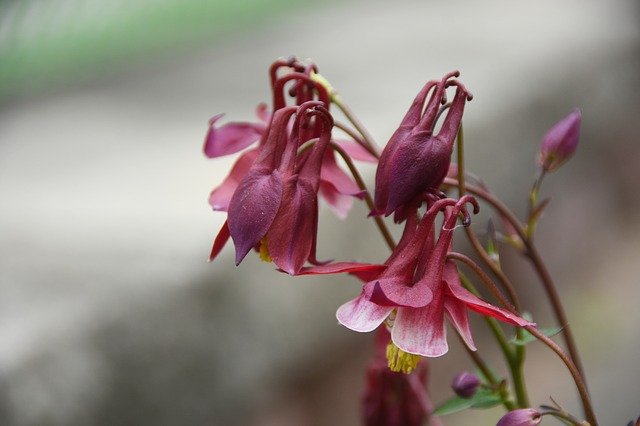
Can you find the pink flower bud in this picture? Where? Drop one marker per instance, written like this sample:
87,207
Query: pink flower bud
465,384
523,417
560,142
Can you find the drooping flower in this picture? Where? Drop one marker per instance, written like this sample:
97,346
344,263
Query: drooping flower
275,206
521,417
560,142
419,288
415,160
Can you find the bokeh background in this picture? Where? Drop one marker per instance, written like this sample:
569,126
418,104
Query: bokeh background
109,314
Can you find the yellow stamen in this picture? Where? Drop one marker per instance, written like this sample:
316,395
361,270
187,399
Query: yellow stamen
264,251
400,360
333,93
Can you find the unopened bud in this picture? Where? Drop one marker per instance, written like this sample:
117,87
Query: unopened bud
560,142
523,417
465,384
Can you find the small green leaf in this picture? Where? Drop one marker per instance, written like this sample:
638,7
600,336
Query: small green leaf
484,398
528,337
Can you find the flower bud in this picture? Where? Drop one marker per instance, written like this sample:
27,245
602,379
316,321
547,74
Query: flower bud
560,142
465,384
522,417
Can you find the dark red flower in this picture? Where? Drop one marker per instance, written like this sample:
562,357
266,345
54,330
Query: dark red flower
415,160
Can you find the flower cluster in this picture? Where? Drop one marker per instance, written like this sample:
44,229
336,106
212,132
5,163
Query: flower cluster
289,161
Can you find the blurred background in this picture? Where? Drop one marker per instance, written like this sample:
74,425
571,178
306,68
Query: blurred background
109,313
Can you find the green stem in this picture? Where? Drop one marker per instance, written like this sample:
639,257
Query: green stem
515,359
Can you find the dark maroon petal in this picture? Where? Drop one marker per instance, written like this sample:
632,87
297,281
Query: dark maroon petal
231,137
221,196
419,165
220,241
292,233
410,120
252,209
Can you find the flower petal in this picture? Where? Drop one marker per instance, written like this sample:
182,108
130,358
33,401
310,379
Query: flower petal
395,291
474,303
362,315
457,312
253,208
231,137
292,234
421,331
356,151
341,267
332,174
221,196
340,204
220,241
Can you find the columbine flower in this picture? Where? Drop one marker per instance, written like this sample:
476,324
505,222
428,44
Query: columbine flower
416,161
560,142
418,288
465,384
275,206
522,417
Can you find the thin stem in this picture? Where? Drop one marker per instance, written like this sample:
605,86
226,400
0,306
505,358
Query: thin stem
488,282
507,401
353,135
370,145
532,253
515,360
367,197
577,377
506,284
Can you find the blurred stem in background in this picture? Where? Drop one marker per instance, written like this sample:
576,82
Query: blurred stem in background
44,45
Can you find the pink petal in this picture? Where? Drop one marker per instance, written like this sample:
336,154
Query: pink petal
262,111
458,315
340,204
231,137
356,151
361,315
395,291
476,304
342,267
332,174
220,241
221,196
421,331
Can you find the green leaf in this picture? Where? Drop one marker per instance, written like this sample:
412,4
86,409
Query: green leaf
484,398
528,337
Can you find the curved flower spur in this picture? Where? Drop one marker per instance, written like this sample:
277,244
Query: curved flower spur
336,186
415,160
